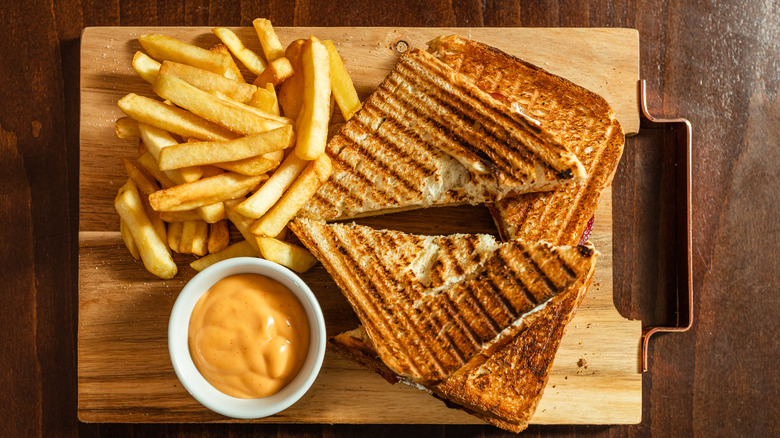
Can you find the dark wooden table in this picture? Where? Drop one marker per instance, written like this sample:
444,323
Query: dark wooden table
715,64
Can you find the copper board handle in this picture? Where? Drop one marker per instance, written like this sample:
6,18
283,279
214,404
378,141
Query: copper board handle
678,131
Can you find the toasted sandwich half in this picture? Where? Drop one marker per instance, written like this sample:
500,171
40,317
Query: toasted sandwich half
506,387
581,119
429,136
432,305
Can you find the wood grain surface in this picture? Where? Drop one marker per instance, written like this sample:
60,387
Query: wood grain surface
715,63
124,369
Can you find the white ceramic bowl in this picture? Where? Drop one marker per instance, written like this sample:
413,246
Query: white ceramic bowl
198,386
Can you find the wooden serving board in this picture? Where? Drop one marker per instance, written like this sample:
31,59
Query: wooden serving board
125,374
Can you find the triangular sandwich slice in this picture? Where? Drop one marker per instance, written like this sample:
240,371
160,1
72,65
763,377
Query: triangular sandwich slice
428,136
581,119
432,304
506,388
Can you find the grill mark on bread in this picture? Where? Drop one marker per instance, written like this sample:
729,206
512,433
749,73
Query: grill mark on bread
418,338
504,147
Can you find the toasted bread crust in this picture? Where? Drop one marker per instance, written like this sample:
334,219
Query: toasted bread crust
426,325
582,119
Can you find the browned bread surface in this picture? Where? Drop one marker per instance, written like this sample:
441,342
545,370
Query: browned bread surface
428,136
506,388
430,304
582,120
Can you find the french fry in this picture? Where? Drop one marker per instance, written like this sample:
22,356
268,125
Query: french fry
154,218
232,72
142,180
252,166
163,48
129,242
294,198
187,236
155,140
172,119
199,153
269,41
282,234
240,249
278,71
204,191
291,90
179,216
265,99
286,254
174,236
251,61
215,212
125,127
266,196
151,248
242,223
146,67
147,161
219,236
312,124
210,82
341,84
211,213
235,116
200,239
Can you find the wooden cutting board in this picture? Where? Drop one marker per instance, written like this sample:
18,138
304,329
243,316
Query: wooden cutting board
125,374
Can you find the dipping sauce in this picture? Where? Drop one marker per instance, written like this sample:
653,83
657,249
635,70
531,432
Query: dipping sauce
248,336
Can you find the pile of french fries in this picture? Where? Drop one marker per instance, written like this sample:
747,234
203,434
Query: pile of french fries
216,149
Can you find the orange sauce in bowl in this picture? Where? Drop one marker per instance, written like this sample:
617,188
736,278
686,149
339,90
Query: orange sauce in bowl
248,336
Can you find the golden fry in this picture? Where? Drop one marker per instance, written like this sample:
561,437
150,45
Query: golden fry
250,59
151,248
147,161
144,182
179,216
277,72
341,84
219,236
155,140
146,67
269,41
174,236
128,238
232,72
200,239
200,153
172,119
240,249
266,196
204,191
291,90
163,48
265,99
252,166
312,124
235,116
294,198
242,223
187,236
126,127
154,218
210,82
286,254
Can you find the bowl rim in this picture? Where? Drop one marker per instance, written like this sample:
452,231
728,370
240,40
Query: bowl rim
198,386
